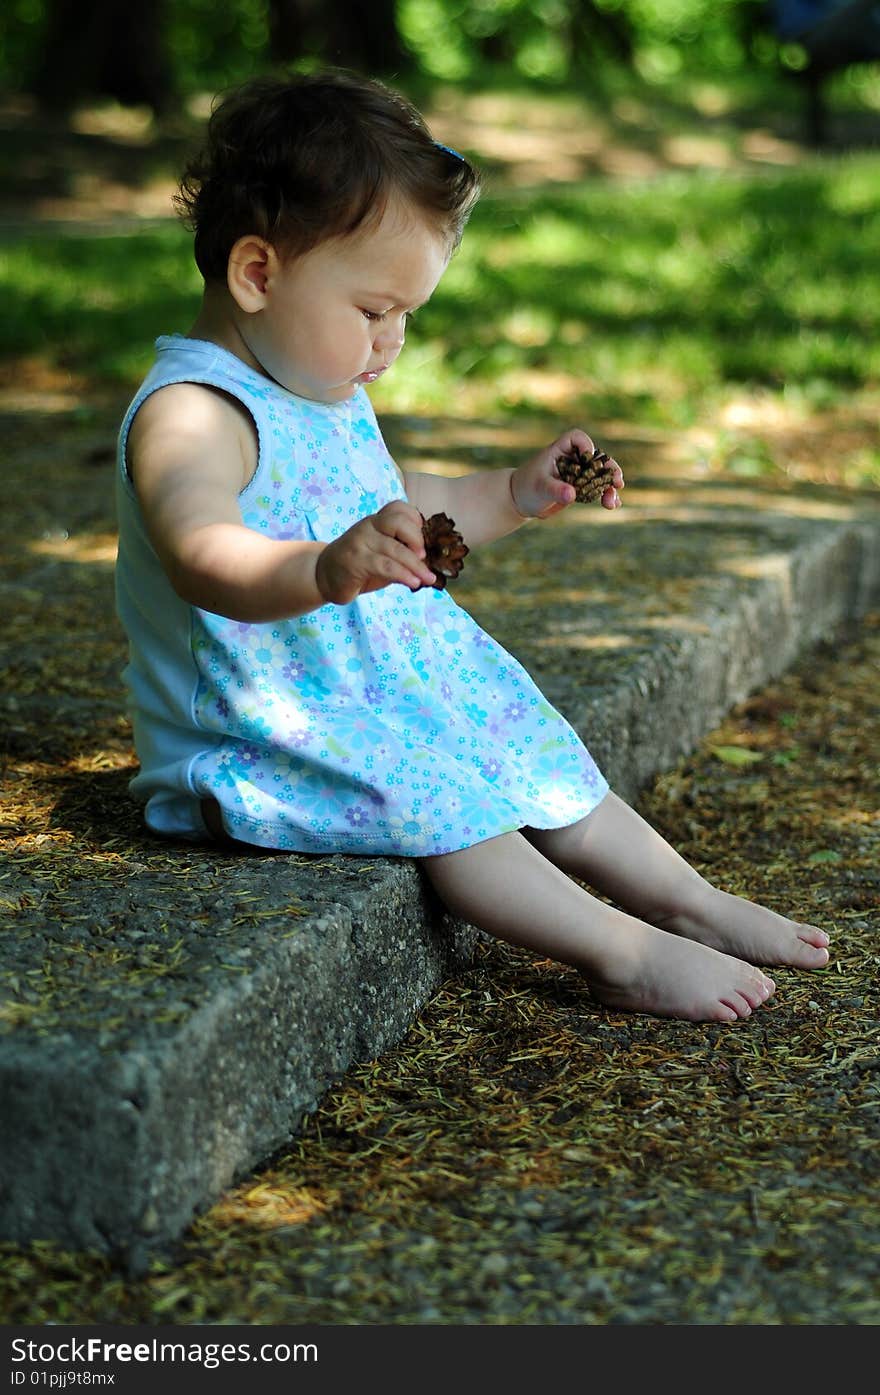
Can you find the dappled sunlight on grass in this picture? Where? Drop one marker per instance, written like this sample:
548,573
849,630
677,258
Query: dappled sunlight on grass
725,308
685,501
708,152
559,137
776,565
643,338
135,124
568,640
675,297
84,547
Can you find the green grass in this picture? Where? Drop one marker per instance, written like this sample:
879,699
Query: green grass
94,304
655,296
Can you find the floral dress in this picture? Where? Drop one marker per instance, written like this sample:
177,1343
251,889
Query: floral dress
391,725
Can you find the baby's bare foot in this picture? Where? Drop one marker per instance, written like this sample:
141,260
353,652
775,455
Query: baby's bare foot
652,971
735,926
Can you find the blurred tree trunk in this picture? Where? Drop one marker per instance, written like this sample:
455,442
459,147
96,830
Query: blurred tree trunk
594,32
292,26
498,47
107,48
344,32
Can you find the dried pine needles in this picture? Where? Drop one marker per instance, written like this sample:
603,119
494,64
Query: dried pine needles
523,1156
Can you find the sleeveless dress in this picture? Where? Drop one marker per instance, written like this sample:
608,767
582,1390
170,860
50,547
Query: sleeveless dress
391,725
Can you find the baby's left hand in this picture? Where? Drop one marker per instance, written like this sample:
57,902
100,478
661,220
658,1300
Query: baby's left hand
537,489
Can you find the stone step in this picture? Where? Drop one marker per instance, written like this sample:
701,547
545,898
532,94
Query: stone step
211,998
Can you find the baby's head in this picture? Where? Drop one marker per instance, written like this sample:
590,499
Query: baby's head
300,160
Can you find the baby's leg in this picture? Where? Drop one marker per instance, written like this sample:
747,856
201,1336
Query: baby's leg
508,887
623,857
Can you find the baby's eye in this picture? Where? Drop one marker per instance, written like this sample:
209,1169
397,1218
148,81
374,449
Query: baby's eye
374,314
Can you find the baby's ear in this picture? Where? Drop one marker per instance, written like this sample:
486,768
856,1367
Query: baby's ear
247,272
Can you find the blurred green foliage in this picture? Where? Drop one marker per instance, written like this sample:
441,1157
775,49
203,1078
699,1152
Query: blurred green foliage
539,38
210,45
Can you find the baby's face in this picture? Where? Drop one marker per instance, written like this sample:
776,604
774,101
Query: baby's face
336,316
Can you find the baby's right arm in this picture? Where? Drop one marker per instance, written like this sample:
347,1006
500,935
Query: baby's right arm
191,451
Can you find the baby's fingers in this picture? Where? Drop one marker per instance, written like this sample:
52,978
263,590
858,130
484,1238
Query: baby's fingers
395,561
576,441
414,573
365,559
610,497
571,440
402,521
559,495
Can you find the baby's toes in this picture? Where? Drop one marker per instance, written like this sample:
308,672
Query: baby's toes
751,994
808,947
812,935
761,989
738,1007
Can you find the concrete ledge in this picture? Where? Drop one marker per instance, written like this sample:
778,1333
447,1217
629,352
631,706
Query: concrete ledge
256,981
115,1138
683,687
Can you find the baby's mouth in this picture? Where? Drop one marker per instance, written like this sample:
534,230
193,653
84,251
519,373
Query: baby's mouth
371,376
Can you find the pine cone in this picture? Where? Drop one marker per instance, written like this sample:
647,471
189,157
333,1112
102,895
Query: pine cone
590,474
445,548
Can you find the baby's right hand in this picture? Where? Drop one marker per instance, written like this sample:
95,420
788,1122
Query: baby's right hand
378,550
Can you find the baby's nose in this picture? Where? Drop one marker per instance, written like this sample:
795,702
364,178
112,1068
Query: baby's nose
391,336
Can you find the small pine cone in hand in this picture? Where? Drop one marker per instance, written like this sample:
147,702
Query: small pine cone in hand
590,474
444,548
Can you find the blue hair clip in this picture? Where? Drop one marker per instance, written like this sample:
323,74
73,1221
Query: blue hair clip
449,150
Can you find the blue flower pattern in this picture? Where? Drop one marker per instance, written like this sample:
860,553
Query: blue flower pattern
392,725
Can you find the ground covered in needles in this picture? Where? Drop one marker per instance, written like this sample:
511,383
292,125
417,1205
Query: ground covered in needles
525,1156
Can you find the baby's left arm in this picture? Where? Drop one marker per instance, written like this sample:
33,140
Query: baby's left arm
489,503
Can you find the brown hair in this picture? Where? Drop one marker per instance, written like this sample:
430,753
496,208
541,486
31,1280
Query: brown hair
298,160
